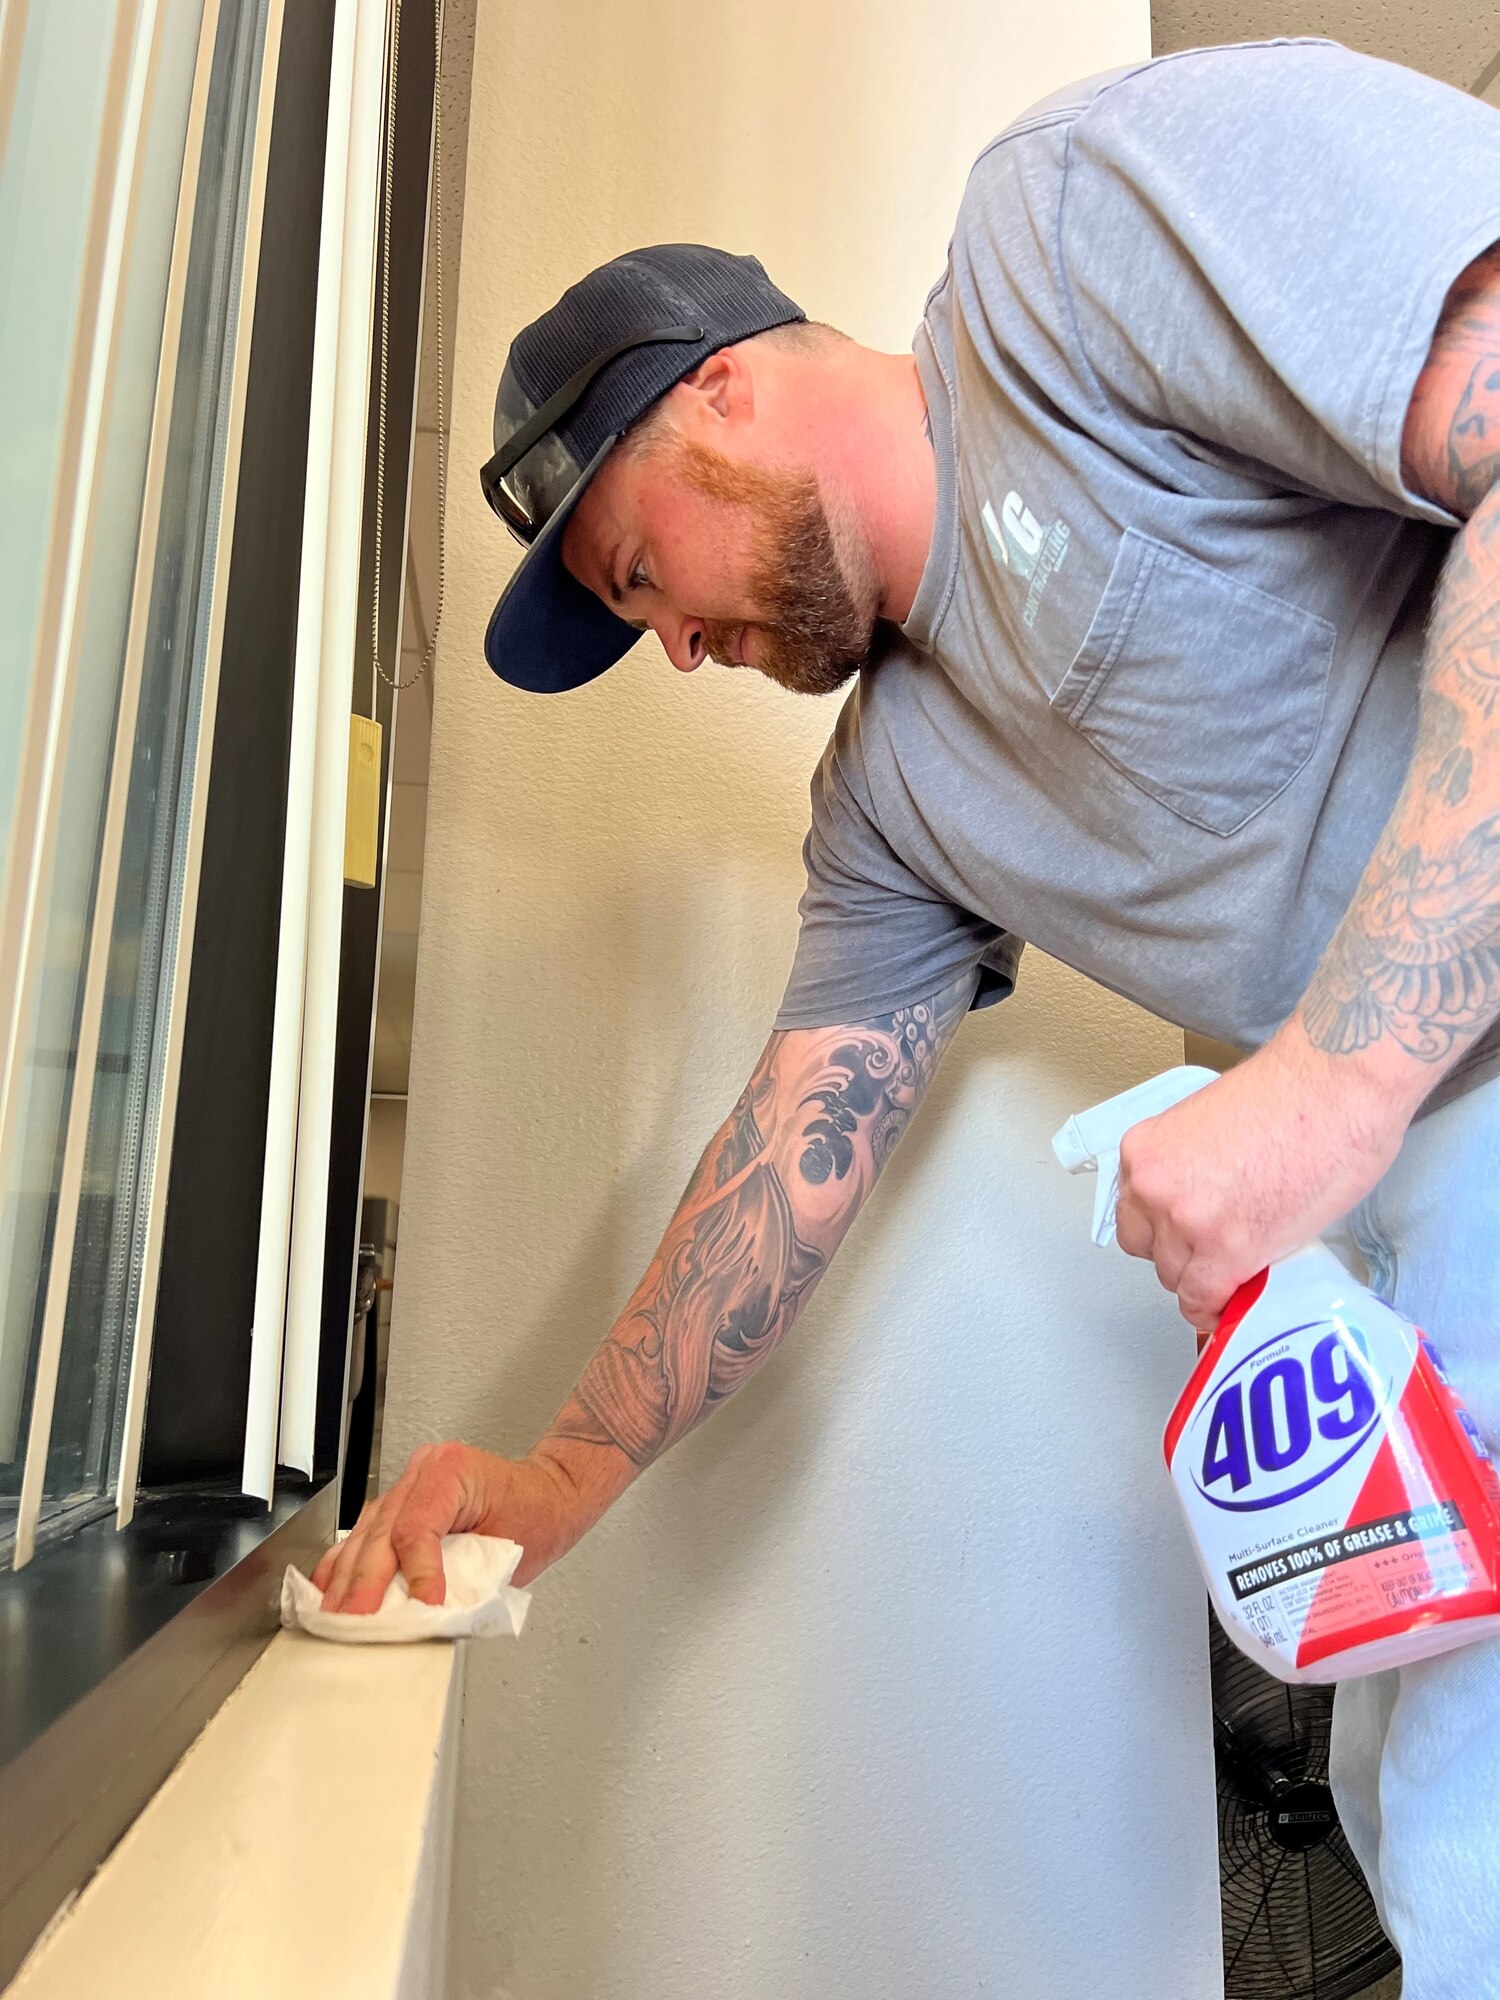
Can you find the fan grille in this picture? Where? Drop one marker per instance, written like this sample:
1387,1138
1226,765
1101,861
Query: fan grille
1299,1922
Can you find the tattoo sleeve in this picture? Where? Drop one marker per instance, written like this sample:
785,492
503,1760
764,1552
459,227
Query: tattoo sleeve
1415,962
767,1206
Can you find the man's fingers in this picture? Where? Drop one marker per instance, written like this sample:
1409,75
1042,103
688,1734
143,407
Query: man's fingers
1202,1294
1171,1260
1132,1230
363,1585
402,1529
1158,1242
337,1565
333,1573
434,1507
1201,1288
418,1549
350,1567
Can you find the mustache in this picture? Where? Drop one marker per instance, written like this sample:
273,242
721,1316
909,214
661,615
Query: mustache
719,641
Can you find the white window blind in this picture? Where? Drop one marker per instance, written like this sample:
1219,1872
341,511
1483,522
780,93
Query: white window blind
289,1281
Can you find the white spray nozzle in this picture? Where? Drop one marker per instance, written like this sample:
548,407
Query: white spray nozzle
1090,1141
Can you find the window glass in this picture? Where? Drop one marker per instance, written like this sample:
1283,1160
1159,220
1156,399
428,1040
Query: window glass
47,173
125,464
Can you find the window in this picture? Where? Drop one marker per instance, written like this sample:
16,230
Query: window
123,210
189,199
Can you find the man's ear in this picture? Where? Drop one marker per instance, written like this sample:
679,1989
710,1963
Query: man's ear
719,391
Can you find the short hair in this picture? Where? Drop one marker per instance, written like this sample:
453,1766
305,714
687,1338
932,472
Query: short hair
802,336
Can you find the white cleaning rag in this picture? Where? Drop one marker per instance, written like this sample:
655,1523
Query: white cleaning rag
480,1602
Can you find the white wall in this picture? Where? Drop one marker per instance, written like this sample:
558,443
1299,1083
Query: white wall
891,1681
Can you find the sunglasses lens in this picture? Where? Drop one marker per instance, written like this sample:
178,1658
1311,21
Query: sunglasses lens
513,512
507,503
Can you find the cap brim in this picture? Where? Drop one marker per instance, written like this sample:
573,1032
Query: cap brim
548,633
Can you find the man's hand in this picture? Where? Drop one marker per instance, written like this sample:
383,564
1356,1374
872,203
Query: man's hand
1251,1168
450,1489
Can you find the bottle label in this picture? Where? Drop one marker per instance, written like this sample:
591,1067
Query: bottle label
1329,1475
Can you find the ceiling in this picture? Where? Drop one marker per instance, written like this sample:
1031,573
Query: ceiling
1454,40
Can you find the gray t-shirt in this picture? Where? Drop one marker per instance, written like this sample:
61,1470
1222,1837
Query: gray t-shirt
1157,693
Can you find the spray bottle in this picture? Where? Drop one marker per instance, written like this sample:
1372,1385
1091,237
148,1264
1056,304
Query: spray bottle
1342,1503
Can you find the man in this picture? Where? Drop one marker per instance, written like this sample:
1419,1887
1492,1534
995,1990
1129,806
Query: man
1170,568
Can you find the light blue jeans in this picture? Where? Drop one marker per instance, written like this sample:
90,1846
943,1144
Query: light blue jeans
1416,1752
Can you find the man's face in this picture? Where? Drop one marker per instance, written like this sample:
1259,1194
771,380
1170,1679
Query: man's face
724,560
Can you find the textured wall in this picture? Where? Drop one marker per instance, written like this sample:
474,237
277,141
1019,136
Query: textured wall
891,1681
1452,39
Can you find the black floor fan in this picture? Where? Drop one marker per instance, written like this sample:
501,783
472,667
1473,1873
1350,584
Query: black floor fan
1299,1923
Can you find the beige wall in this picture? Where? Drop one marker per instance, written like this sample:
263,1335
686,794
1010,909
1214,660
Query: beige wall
1452,39
891,1680
384,1148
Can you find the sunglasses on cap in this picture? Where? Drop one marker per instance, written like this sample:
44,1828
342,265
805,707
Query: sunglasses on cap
523,516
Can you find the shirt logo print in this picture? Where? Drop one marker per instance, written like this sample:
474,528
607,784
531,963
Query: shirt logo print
1020,543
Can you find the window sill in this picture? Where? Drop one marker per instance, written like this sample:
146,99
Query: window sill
115,1649
301,1846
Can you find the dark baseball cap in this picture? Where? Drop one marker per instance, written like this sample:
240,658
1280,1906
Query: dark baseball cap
575,380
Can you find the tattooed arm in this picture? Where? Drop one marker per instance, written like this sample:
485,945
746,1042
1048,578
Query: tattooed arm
767,1206
1413,971
1272,1153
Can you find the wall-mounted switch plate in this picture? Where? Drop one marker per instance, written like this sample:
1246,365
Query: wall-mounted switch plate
362,812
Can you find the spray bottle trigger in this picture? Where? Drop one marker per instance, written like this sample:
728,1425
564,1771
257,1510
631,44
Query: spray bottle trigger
1090,1140
1106,1199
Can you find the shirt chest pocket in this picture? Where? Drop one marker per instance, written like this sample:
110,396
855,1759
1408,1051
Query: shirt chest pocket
1205,692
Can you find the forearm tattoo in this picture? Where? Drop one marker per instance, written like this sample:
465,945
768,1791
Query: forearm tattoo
765,1209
